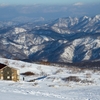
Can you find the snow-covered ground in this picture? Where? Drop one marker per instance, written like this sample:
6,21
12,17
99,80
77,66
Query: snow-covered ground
50,83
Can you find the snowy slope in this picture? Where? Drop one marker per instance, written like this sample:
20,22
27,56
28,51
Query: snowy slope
52,86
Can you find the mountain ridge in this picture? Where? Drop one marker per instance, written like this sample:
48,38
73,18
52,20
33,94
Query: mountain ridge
62,40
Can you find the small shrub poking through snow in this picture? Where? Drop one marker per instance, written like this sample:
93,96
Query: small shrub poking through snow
58,71
87,81
72,78
28,73
88,75
31,80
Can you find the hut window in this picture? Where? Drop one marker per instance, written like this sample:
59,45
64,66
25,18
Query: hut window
17,71
1,77
1,71
12,77
8,77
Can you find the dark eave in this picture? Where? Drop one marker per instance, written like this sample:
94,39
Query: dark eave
2,66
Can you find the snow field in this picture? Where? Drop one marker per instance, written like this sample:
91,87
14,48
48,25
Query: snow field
48,83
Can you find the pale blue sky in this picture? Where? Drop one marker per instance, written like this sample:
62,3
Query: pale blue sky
33,9
46,1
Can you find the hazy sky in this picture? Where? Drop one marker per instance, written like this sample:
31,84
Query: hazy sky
46,1
47,9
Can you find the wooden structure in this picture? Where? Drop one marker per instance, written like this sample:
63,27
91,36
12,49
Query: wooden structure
8,73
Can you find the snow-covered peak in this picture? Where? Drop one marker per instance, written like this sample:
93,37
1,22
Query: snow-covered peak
19,30
85,17
97,17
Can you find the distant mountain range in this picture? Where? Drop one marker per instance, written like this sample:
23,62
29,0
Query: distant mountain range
61,40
